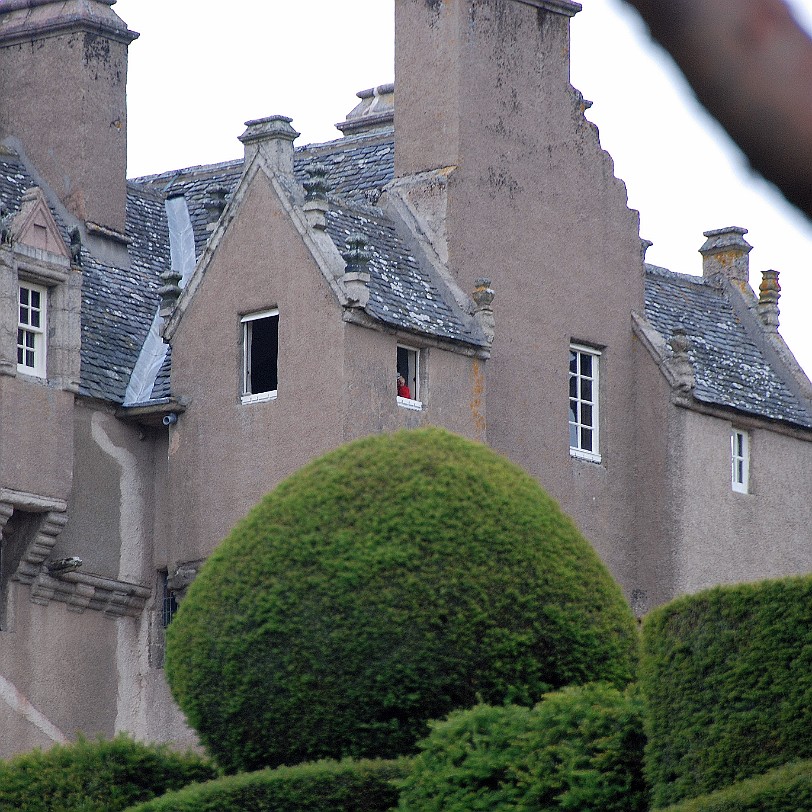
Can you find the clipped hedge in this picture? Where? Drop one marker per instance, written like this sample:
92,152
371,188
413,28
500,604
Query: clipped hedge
728,678
385,584
785,789
95,776
579,749
324,786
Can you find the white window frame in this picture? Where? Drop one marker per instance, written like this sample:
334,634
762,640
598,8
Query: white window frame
36,333
413,380
740,460
247,396
577,426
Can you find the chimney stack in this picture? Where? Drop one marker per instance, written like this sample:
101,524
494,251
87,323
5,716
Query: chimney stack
725,253
466,70
63,79
273,137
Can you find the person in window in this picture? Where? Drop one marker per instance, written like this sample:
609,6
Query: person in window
403,389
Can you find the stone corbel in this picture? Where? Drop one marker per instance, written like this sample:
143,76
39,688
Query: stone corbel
182,578
84,590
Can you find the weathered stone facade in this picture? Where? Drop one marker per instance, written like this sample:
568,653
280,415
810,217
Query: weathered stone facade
168,368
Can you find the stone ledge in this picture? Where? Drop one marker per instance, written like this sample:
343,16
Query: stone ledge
565,7
84,590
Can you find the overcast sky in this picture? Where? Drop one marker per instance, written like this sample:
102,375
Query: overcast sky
201,69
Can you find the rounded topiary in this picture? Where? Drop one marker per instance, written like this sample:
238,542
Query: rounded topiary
385,584
726,675
95,776
784,789
323,786
581,748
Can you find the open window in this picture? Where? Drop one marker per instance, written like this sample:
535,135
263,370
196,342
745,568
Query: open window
31,329
740,460
584,404
260,343
408,377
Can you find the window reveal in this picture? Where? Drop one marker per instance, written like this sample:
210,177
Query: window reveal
740,460
31,330
408,377
260,356
583,397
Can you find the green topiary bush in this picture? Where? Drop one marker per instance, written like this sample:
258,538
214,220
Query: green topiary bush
98,776
324,786
467,761
385,584
579,749
728,679
785,789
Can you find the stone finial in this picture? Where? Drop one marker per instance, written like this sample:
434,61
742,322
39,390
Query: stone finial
645,245
76,247
356,274
725,253
316,188
6,219
769,292
215,204
681,366
169,292
273,137
483,299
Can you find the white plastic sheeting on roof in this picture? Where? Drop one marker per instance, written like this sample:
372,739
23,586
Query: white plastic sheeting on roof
153,352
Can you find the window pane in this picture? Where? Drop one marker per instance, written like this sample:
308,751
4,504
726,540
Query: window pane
35,318
586,389
586,364
264,350
586,414
573,436
573,387
24,296
586,439
574,411
573,363
35,299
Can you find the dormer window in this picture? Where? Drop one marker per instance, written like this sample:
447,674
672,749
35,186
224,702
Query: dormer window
31,343
408,378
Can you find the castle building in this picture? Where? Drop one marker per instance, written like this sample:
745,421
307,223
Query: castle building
173,346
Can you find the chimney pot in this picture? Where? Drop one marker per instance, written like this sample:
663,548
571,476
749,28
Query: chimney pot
725,253
273,137
769,292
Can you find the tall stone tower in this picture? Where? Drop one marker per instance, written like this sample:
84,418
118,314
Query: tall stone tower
63,78
499,165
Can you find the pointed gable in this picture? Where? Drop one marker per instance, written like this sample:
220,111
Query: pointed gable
35,226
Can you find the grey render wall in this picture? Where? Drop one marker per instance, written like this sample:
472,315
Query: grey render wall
223,455
336,379
724,536
57,674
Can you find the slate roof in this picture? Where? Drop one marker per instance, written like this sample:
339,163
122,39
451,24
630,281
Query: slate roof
730,368
118,305
402,294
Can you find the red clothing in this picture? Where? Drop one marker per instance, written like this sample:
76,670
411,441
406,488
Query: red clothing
404,391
